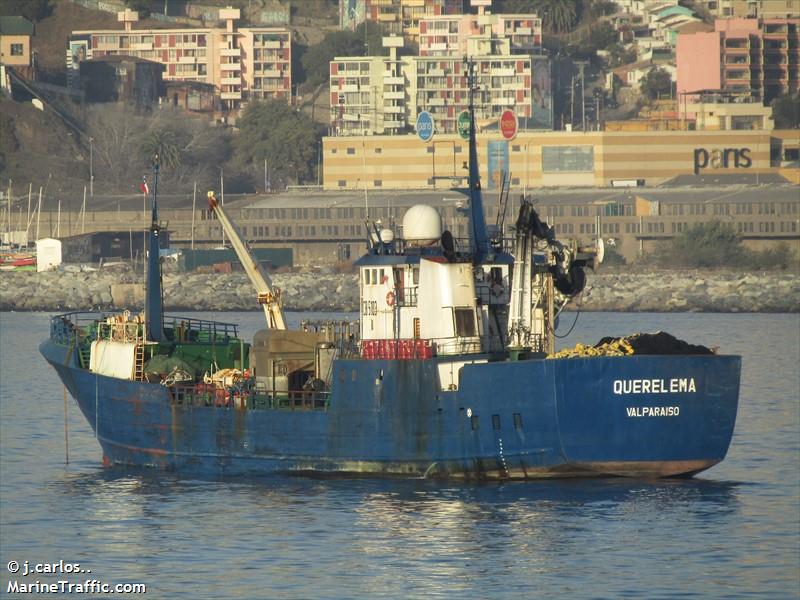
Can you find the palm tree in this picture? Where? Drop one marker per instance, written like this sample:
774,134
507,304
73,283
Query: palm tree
161,143
557,15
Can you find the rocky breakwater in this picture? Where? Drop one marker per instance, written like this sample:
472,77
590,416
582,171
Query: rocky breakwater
299,291
122,288
697,291
658,291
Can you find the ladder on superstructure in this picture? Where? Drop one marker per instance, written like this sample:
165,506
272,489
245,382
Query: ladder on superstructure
138,362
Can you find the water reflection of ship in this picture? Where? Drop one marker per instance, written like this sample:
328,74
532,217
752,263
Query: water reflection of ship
381,503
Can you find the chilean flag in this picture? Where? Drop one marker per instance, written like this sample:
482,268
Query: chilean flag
143,187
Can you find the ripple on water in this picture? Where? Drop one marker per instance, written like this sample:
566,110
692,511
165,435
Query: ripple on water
731,533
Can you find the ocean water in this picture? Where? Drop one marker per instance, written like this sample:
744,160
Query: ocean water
732,532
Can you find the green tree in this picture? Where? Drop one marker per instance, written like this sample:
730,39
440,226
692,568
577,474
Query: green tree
372,33
285,138
161,143
656,83
317,58
33,10
140,6
619,55
786,112
712,244
557,15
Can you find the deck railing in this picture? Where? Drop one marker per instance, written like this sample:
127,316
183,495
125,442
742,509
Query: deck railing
209,395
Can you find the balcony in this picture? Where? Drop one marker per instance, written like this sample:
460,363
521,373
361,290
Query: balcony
230,81
273,44
500,101
187,60
507,72
230,52
230,67
394,80
147,46
272,73
231,95
394,109
394,95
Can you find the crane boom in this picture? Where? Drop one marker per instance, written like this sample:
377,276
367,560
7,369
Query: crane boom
267,298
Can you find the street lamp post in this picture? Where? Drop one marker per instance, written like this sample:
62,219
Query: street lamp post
91,168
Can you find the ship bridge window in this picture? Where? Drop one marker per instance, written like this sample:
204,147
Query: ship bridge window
465,322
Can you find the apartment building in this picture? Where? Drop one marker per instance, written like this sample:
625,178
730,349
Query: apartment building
764,9
399,17
242,63
449,35
504,81
756,56
383,95
368,94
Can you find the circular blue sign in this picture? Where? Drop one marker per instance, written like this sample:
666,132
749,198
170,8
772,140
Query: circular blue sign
425,126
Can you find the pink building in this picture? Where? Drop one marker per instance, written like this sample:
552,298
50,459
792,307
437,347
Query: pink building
247,63
755,56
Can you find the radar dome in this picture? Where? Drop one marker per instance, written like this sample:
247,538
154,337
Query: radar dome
422,224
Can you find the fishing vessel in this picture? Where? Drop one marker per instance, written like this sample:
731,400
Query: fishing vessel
451,371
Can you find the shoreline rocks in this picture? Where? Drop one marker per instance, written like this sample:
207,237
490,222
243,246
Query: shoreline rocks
652,291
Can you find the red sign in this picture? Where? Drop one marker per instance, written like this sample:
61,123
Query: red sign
508,124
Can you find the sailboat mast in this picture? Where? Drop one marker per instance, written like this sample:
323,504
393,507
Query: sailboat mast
153,308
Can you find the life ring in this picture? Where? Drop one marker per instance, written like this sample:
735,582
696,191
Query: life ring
390,298
497,290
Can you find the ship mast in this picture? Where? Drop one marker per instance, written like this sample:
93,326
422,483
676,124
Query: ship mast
153,307
478,238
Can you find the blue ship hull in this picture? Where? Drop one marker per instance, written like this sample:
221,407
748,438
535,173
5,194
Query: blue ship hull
642,416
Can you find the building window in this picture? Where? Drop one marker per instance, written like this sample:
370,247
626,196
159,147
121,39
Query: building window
567,158
17,49
342,183
378,182
351,150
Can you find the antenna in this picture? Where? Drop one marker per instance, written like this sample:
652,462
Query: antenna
478,239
